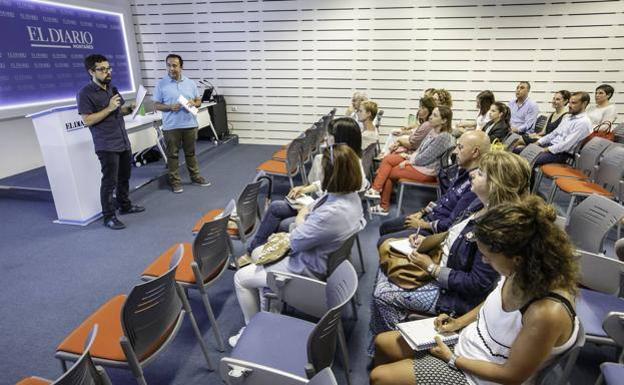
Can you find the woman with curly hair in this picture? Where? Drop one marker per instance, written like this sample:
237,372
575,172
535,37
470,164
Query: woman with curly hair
522,326
442,98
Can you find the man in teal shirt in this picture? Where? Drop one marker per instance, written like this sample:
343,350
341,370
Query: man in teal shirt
179,125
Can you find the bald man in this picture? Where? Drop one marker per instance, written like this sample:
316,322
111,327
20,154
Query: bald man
438,216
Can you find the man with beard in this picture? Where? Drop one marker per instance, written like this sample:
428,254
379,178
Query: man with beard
102,110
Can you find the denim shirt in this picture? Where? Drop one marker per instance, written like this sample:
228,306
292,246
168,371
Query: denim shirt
466,280
327,226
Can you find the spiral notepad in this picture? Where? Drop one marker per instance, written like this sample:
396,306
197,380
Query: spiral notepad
420,334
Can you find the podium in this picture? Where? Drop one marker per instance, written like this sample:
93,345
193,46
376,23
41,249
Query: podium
71,164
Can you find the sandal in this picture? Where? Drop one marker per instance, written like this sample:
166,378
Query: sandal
372,194
378,210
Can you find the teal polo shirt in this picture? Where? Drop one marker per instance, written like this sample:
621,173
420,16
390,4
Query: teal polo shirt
167,91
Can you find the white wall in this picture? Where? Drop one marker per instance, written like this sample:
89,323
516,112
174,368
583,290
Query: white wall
283,63
19,149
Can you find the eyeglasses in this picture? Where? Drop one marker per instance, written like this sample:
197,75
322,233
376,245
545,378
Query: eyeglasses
104,69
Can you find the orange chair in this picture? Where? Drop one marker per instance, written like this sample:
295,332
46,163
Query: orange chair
202,264
608,181
246,216
133,330
584,165
83,372
291,167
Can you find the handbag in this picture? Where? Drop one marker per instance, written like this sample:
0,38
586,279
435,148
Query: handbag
401,271
275,249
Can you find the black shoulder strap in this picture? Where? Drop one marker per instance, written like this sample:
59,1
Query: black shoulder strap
557,297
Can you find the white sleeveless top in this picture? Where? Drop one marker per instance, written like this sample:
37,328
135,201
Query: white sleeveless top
490,337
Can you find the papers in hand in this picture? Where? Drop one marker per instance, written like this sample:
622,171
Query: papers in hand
140,97
420,334
300,201
184,102
402,246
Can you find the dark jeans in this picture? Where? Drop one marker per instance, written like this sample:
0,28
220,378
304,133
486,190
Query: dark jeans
115,177
394,228
184,138
277,218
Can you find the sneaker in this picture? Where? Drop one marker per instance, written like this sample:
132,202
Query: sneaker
234,339
378,210
372,194
200,181
176,188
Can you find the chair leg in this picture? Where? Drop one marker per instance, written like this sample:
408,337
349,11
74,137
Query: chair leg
400,203
213,321
538,181
133,361
202,343
553,192
354,305
342,343
569,211
63,365
600,380
359,248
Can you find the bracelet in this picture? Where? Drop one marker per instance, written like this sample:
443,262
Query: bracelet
431,268
451,362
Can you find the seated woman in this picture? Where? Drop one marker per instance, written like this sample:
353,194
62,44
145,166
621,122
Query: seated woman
342,130
603,113
524,324
366,115
485,99
318,231
462,280
560,104
442,98
409,137
421,166
280,214
498,126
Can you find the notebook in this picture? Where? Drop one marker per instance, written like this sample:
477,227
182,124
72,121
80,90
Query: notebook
300,201
420,334
430,242
402,246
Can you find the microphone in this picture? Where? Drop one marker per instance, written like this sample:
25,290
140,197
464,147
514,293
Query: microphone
204,81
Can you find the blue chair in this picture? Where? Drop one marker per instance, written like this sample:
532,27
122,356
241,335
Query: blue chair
290,347
613,372
602,277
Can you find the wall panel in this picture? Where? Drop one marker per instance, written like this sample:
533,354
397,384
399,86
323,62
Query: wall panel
280,64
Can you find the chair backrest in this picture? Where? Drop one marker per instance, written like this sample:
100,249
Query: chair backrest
531,152
558,372
611,169
340,255
368,155
247,205
591,221
84,372
591,153
309,143
448,158
152,308
601,273
341,286
511,139
618,130
211,247
293,156
613,325
540,123
324,377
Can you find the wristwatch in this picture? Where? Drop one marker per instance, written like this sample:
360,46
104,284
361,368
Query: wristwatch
431,268
451,362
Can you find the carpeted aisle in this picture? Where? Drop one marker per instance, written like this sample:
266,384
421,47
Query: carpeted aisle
54,275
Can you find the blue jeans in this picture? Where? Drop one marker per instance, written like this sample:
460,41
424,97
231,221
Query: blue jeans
277,218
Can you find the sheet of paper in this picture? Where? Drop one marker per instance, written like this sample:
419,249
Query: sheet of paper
402,246
140,97
184,102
